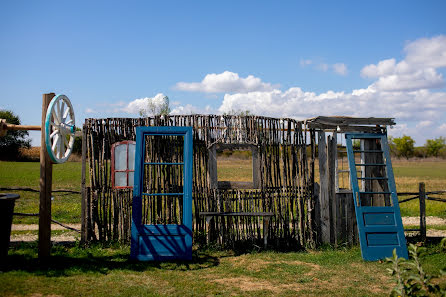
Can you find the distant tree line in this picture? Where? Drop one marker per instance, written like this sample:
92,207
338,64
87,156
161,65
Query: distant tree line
399,146
14,139
405,147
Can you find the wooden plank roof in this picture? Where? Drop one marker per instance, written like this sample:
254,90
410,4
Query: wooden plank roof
342,123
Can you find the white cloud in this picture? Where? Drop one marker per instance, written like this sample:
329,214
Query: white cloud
427,52
294,102
305,62
418,70
90,110
142,105
340,68
421,79
442,129
424,124
226,82
190,109
384,67
323,67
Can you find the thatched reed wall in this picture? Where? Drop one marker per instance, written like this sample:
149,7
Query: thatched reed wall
286,179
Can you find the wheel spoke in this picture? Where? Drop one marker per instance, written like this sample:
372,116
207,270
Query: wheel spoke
66,142
65,115
53,134
55,117
61,147
56,140
62,111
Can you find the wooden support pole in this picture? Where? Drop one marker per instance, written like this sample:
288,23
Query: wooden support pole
323,197
331,172
422,191
46,173
255,168
84,205
212,167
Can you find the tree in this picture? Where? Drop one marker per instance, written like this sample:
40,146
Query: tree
77,145
403,146
14,139
241,113
158,105
434,146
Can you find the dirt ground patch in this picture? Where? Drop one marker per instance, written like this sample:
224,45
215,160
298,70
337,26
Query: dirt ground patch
65,237
436,221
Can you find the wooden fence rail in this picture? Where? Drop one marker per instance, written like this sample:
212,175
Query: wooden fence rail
422,195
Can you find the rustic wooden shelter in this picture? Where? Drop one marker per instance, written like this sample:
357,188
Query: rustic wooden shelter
335,210
284,154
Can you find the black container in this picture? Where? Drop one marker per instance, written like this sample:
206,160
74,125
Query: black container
7,202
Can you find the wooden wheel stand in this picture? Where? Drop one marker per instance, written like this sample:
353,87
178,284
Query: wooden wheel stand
46,173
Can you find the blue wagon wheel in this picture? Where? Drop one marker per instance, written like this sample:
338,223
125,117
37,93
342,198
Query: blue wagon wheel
59,129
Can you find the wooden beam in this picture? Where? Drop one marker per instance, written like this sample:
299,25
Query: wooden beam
422,190
46,172
331,171
212,167
323,196
84,204
349,121
255,168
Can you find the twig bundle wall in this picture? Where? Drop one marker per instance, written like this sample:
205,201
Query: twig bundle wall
286,179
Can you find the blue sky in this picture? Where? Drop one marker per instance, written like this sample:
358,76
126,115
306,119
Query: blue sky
278,58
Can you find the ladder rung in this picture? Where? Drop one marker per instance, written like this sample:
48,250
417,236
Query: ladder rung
373,178
375,192
343,170
368,151
370,164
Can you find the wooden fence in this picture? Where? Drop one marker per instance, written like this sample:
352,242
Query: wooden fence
422,196
284,183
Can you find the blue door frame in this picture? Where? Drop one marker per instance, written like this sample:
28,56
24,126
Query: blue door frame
163,241
380,228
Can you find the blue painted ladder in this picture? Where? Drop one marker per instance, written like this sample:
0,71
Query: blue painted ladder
162,241
380,227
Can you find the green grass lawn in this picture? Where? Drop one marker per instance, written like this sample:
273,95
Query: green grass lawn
408,174
106,271
65,207
101,271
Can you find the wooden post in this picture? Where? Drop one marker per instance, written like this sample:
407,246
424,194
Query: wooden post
265,231
212,167
84,205
317,212
46,173
422,194
334,209
323,197
255,167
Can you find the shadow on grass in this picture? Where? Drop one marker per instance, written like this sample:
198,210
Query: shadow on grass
69,259
429,240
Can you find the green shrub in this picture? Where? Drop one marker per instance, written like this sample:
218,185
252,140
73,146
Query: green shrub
411,278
